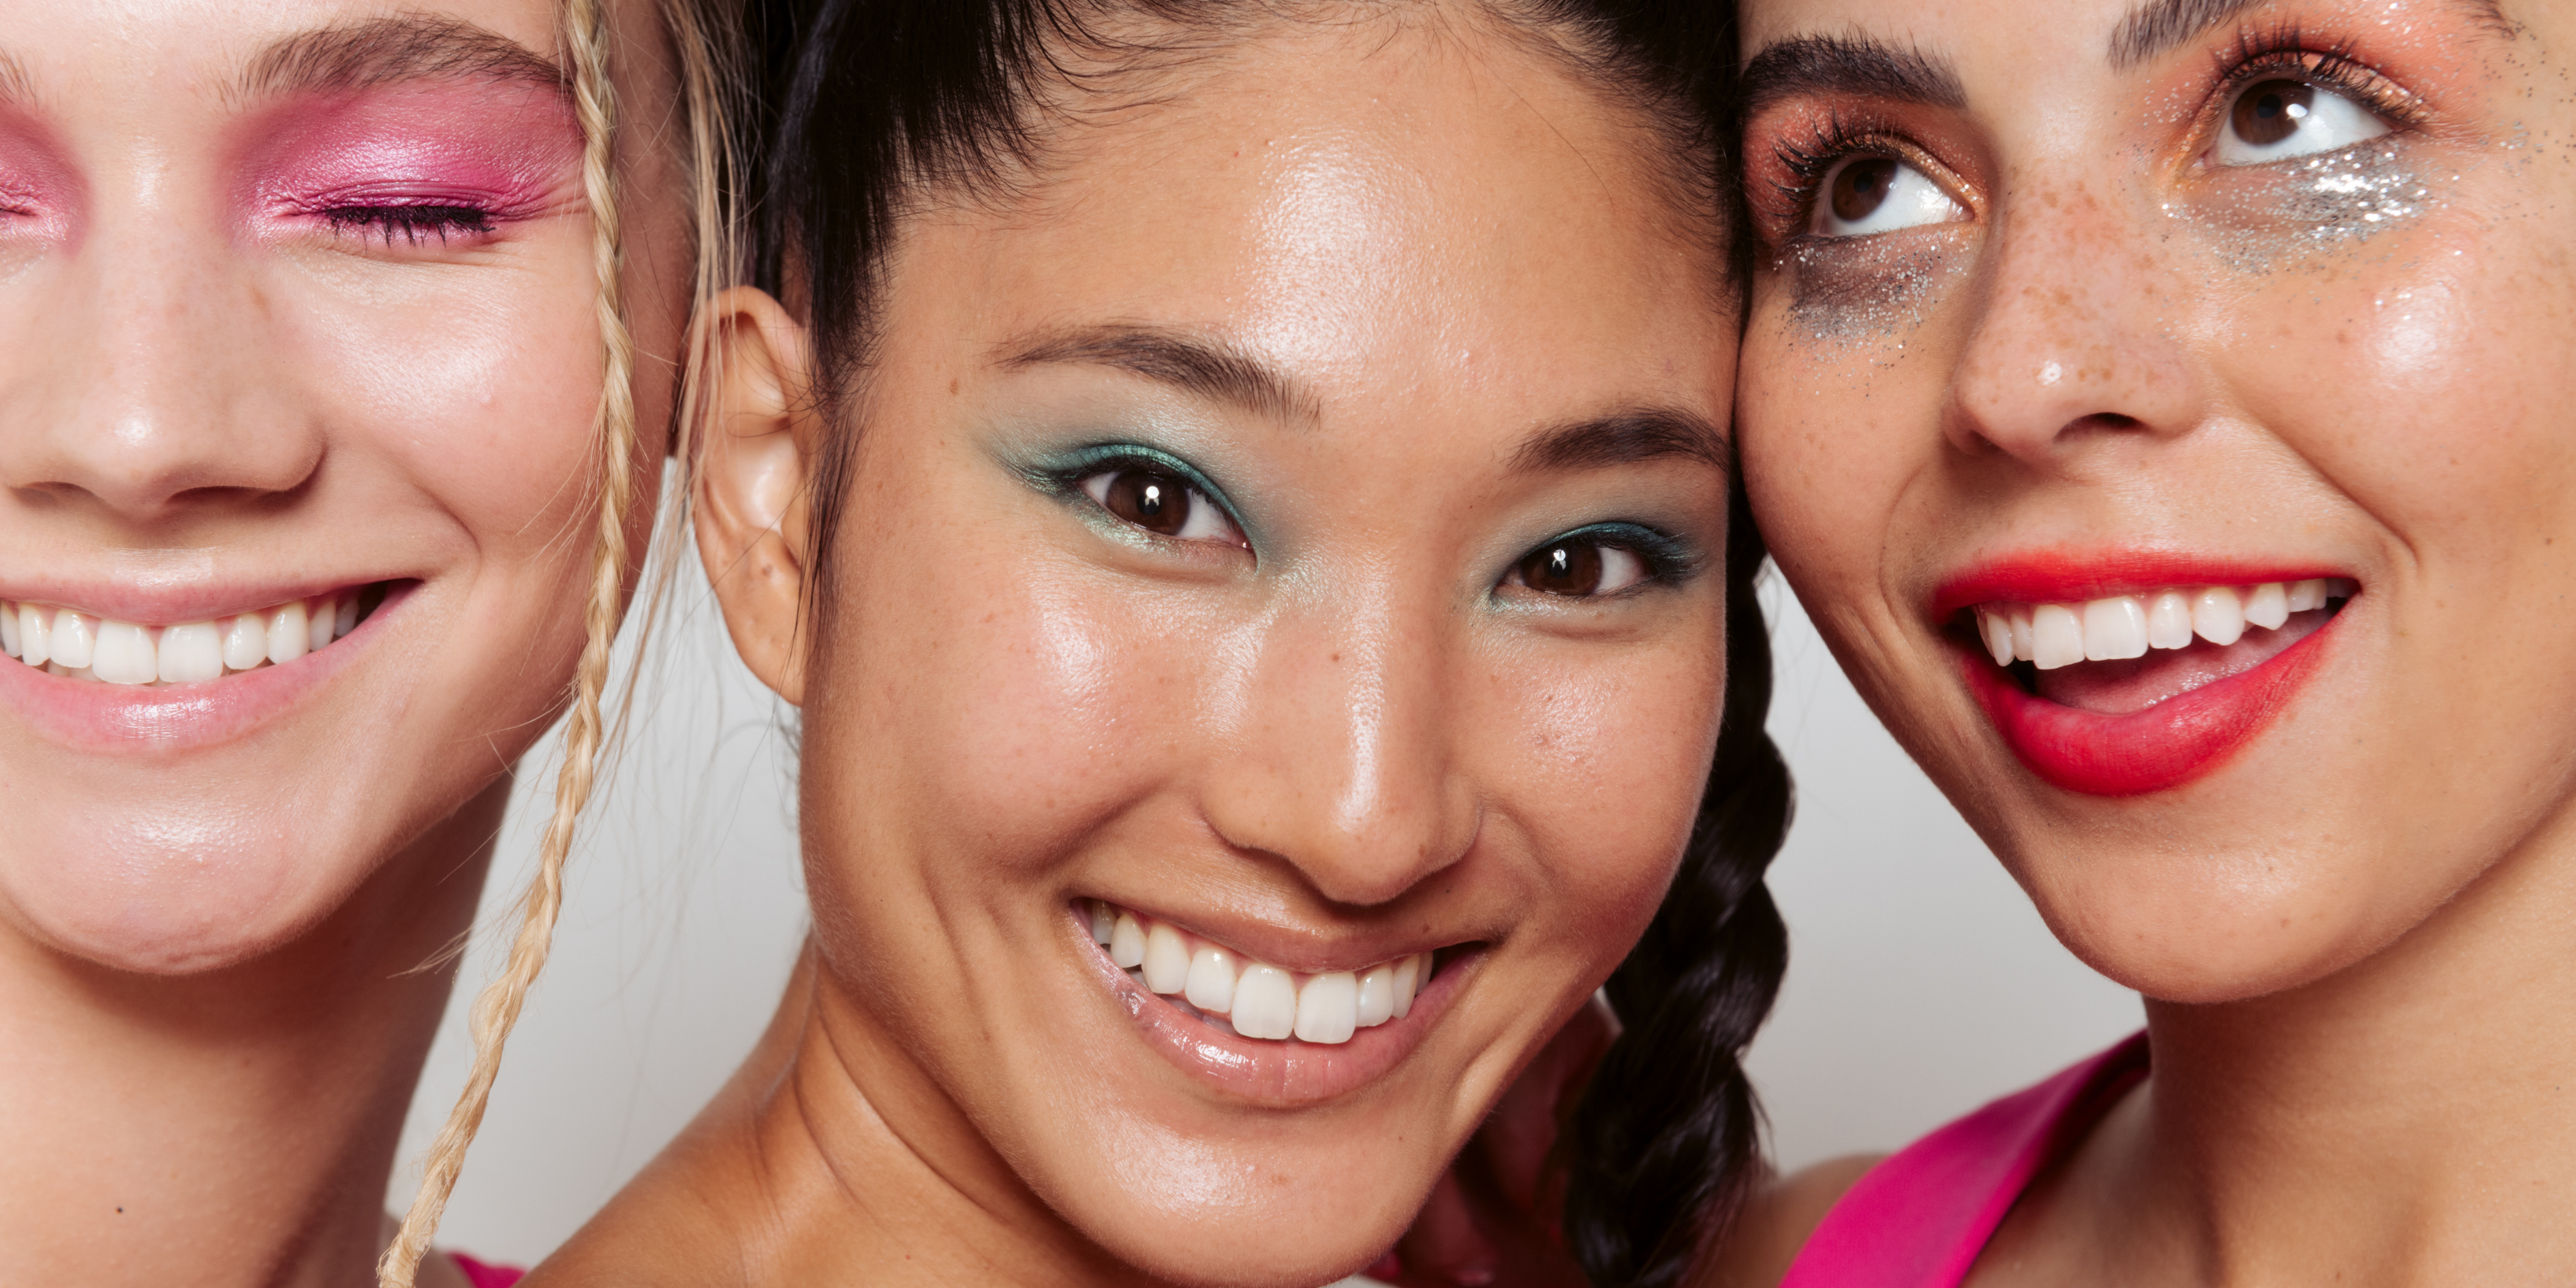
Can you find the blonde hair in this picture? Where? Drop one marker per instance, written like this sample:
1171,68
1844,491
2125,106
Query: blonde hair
705,46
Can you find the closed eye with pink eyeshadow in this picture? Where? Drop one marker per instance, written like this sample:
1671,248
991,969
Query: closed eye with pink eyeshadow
416,167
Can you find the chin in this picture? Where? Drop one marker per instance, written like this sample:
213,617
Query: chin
179,899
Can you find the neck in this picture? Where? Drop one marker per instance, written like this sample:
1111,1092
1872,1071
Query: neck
234,1127
2411,1119
831,1157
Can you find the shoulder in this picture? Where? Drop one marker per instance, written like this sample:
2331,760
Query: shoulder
1775,1223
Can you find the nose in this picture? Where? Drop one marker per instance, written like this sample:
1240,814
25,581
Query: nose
142,383
1341,763
2080,335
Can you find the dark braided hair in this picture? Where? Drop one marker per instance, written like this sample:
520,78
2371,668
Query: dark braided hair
1663,1146
878,101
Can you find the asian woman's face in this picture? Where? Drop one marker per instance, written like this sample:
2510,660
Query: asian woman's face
298,357
2163,409
1272,641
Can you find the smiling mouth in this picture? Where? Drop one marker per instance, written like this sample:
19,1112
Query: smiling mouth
2125,653
1253,999
68,642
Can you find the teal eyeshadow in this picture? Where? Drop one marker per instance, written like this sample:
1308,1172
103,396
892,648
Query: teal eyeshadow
1060,474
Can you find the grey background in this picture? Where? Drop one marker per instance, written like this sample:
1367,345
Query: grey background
1921,983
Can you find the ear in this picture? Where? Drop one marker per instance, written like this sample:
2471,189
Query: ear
754,468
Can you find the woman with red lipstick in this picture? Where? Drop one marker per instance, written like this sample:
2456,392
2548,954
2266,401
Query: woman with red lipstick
331,356
1239,494
2161,408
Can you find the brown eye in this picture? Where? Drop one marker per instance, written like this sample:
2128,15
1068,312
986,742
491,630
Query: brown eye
1163,503
1153,501
1579,566
1864,194
1861,187
2272,111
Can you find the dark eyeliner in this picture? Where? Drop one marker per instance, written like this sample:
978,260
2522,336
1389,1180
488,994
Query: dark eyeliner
1669,560
1063,475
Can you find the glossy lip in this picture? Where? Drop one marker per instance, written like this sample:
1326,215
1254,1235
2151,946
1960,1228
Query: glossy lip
1286,1074
2164,746
2065,578
116,719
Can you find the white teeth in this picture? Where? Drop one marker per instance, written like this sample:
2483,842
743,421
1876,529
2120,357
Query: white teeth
1167,960
1377,995
2115,629
1211,984
34,632
2267,607
1127,943
1408,976
66,641
190,653
2219,616
1997,629
1265,1003
2049,636
1259,1000
1328,1008
2056,637
126,655
2169,620
75,635
245,642
286,633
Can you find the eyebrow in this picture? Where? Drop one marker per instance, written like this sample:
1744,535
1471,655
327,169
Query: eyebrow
15,87
1848,65
1623,438
2158,27
384,51
1208,367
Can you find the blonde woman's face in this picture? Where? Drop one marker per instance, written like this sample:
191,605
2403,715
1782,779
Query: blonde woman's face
298,357
1273,645
2163,409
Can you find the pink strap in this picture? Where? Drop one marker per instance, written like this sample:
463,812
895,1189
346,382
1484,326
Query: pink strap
1919,1219
483,1276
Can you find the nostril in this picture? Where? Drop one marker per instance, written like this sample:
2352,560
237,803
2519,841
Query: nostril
2109,420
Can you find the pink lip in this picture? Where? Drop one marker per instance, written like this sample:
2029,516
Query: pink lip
2061,577
2164,746
1280,1074
116,719
195,601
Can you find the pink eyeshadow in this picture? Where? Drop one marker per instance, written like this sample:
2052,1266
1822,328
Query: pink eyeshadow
508,148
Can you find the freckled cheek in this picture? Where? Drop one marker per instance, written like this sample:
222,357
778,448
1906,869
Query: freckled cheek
486,395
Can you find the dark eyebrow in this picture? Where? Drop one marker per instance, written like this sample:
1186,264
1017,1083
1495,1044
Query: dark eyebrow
1623,438
2158,27
383,51
1211,368
1848,65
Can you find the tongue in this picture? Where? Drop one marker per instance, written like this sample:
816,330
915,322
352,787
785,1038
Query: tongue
2118,688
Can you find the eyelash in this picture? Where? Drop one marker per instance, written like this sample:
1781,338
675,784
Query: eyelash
1668,559
2258,54
414,224
1065,481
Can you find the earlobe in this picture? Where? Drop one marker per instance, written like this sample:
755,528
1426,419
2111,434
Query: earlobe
750,482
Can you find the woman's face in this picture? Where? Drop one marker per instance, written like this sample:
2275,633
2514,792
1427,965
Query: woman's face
1292,536
2163,411
297,335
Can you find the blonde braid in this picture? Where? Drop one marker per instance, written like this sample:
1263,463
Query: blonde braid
497,1009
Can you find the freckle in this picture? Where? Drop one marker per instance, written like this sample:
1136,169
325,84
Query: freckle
952,387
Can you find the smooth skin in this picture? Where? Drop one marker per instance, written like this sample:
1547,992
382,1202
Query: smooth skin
2351,935
212,1012
1347,734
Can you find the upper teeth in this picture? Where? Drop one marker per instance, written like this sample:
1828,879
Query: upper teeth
2049,636
69,642
1258,999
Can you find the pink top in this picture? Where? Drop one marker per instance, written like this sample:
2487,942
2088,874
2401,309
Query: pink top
1919,1219
483,1276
